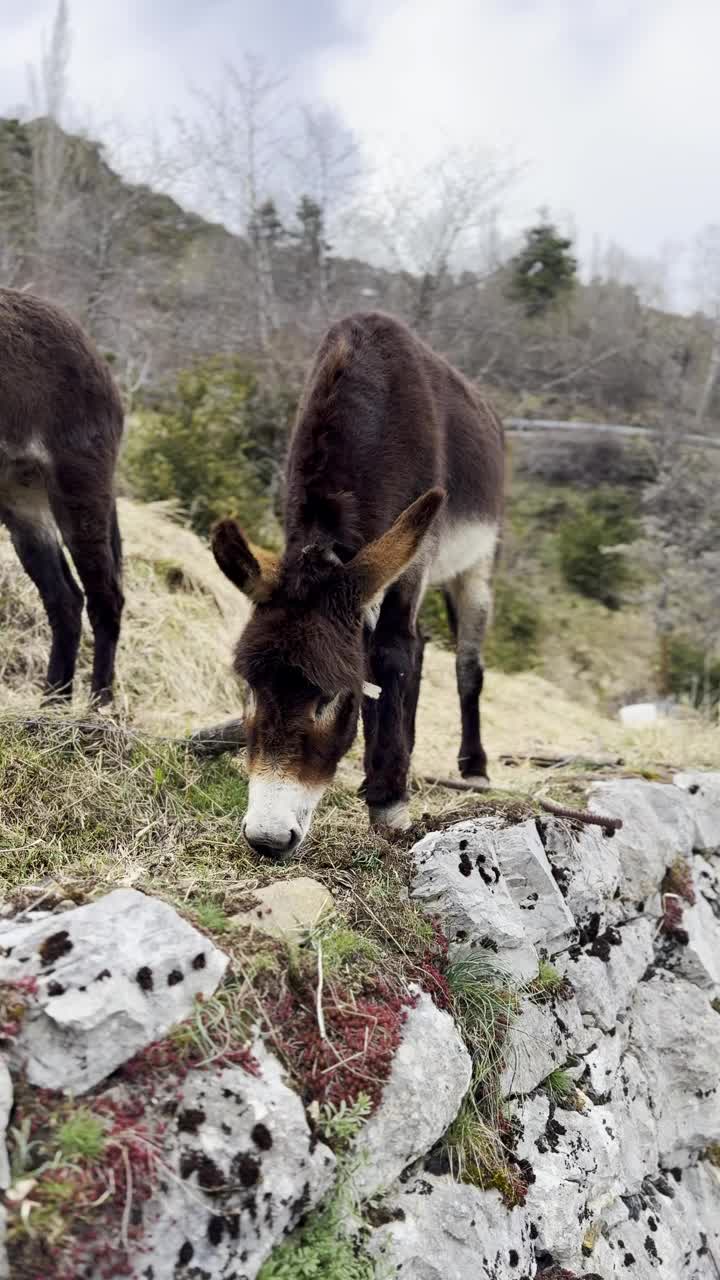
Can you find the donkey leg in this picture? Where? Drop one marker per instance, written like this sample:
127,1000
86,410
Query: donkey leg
41,556
91,531
395,663
472,598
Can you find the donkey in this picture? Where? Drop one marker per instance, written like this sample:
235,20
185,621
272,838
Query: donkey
394,481
61,421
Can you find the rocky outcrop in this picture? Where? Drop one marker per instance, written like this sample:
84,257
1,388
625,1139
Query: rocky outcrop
607,949
242,1170
109,978
618,1148
414,1112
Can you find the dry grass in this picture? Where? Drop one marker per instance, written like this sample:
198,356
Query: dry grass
181,619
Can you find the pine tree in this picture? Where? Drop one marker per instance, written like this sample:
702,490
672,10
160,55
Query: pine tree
543,270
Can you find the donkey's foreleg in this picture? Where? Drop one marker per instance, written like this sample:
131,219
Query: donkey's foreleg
472,598
395,655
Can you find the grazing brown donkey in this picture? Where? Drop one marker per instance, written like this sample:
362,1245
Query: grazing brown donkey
394,481
60,426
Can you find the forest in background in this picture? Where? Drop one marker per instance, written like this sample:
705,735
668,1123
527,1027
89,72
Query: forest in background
209,321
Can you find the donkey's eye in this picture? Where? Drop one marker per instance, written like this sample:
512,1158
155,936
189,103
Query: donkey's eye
323,705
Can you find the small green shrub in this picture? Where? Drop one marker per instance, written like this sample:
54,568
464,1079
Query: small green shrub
81,1136
692,673
559,1085
514,638
215,445
603,521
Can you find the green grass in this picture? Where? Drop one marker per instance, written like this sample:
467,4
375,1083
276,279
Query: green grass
559,1085
81,1135
484,1004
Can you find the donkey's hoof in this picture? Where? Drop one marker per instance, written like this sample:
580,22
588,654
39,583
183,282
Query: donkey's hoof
396,816
477,780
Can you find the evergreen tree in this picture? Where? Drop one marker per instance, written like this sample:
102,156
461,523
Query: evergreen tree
543,270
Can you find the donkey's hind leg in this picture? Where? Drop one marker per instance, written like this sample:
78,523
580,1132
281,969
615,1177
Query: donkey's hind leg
471,597
89,525
41,557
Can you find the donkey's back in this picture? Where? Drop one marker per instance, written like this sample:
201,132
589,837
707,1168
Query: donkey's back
61,422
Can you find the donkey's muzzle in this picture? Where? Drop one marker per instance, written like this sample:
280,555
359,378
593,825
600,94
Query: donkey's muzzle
274,848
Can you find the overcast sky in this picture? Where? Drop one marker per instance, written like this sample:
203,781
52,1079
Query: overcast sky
611,106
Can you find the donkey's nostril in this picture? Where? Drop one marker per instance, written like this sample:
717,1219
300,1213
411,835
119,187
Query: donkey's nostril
268,848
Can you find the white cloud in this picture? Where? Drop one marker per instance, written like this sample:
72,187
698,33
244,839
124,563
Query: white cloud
612,106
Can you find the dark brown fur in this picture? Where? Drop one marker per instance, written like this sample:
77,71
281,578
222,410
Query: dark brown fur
382,421
61,422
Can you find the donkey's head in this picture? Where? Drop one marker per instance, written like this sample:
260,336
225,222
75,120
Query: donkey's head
303,659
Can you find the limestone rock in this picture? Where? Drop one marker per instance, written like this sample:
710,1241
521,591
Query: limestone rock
575,1159
287,908
538,1042
529,877
658,825
444,1230
676,1039
698,959
113,976
457,877
429,1078
671,1229
585,865
6,1102
704,790
605,974
245,1169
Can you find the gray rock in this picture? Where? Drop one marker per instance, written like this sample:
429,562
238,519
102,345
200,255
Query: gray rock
537,1043
699,959
674,1233
457,877
529,877
113,976
632,1107
586,866
676,1040
6,1102
245,1169
704,792
575,1158
429,1078
287,908
658,825
444,1230
605,982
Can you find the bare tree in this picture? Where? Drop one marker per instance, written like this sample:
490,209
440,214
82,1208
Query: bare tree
436,224
707,284
235,147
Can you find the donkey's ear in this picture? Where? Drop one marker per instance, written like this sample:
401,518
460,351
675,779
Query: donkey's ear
253,570
383,561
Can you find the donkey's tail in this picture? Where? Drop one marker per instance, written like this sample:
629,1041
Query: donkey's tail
115,540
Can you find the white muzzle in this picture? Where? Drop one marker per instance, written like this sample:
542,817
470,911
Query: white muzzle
279,813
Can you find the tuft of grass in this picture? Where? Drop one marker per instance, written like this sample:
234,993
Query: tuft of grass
483,1003
211,917
548,984
559,1085
81,1136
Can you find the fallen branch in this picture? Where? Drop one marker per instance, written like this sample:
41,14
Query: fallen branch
581,815
228,736
552,762
454,784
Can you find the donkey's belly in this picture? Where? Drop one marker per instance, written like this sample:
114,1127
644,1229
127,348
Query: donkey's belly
461,547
